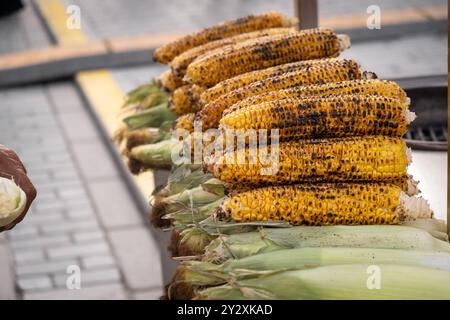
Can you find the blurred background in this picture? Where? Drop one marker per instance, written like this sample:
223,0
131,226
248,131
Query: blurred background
65,66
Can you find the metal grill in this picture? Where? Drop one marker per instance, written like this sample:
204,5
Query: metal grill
429,130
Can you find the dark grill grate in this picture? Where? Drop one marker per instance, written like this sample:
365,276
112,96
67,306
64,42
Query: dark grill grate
429,130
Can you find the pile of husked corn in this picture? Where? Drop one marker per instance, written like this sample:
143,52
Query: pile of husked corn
323,201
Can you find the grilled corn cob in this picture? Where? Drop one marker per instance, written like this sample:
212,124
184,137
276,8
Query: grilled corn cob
260,53
371,158
341,70
181,101
326,204
170,81
181,62
185,122
359,87
245,79
332,116
167,52
195,93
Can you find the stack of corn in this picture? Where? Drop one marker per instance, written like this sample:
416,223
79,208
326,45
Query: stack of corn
339,198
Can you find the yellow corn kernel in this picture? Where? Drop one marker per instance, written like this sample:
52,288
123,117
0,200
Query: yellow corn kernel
170,81
341,70
360,87
181,101
181,62
167,52
185,122
195,93
371,158
330,116
245,79
325,204
260,53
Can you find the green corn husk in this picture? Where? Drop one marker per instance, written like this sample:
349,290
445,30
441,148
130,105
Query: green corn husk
146,95
153,117
189,242
190,199
305,258
208,192
437,228
210,229
338,282
193,215
272,239
185,177
140,137
157,155
202,274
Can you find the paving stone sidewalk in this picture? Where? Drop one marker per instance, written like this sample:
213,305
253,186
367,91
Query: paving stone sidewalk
73,220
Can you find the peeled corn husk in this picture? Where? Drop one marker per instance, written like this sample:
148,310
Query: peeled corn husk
436,227
200,274
156,155
370,236
152,117
338,282
12,201
186,176
146,96
187,200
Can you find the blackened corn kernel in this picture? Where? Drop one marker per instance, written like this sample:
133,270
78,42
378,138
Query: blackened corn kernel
260,53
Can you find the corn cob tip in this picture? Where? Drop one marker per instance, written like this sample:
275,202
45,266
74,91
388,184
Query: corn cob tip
344,42
408,154
412,208
410,116
291,22
412,186
369,75
408,101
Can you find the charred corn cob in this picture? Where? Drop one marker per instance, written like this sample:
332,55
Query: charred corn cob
167,52
360,87
185,122
181,62
195,93
326,204
375,158
181,101
332,116
260,53
170,81
341,70
245,79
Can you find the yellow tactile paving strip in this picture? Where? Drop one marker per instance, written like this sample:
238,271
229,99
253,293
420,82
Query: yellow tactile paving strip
98,86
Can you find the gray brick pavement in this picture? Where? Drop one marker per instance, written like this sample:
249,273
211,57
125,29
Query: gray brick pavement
136,253
102,292
114,213
33,283
71,220
7,290
22,31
